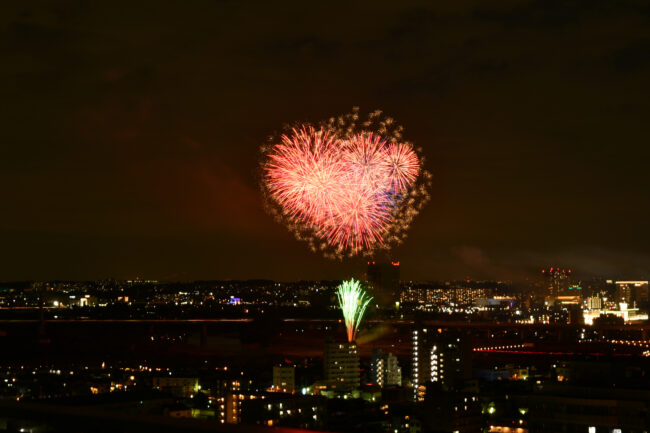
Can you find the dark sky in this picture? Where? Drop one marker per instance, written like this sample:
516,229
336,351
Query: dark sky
130,132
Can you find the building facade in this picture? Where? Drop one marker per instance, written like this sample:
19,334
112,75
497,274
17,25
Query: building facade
177,386
556,281
284,379
441,357
341,365
384,278
384,369
633,293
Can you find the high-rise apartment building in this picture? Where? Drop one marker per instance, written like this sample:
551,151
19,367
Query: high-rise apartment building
441,357
341,365
384,369
634,293
384,279
284,378
556,281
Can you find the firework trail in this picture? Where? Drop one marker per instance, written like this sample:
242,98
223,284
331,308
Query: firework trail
346,188
353,301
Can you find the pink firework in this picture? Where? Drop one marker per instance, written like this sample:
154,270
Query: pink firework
350,193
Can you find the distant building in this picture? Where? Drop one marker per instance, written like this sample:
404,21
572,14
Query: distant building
178,386
495,303
341,365
451,296
273,409
230,406
556,281
594,303
441,357
634,293
284,379
384,278
233,408
385,370
623,312
507,372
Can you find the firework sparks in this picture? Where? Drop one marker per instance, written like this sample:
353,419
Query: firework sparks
345,188
353,301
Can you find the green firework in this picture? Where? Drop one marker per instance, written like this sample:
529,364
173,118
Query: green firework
353,301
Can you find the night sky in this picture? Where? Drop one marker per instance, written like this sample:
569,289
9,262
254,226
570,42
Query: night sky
131,130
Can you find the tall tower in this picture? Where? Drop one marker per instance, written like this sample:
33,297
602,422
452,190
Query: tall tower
556,281
384,278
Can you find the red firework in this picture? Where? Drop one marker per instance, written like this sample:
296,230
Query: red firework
345,191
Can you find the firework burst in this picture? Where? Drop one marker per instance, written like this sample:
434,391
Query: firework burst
353,301
345,187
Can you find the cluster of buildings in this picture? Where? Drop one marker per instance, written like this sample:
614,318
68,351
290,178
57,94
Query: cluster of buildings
150,293
509,360
556,296
445,297
573,301
445,383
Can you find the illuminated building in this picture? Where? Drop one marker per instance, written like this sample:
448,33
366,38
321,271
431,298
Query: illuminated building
568,300
233,408
284,378
634,293
565,309
594,303
341,365
178,386
230,406
449,296
286,410
440,357
627,314
385,370
556,281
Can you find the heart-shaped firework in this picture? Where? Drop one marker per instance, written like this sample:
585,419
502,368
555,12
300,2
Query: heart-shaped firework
351,190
